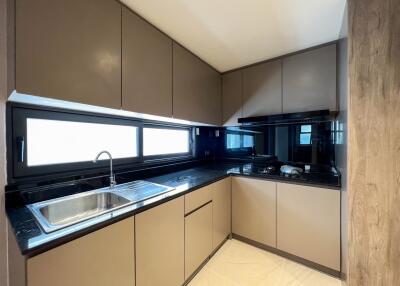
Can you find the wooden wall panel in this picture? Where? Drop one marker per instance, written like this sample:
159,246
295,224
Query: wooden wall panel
6,86
374,143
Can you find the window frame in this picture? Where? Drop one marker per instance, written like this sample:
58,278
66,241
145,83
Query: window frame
153,158
21,172
241,149
301,132
21,169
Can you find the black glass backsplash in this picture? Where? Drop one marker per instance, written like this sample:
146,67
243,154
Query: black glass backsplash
305,143
302,144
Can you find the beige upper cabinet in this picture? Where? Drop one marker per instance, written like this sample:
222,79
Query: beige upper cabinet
196,88
309,80
198,238
102,258
232,98
69,50
309,223
221,196
146,67
262,89
160,245
254,209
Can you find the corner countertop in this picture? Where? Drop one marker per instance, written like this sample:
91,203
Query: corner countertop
32,240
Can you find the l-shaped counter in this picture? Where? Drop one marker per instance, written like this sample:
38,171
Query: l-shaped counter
265,210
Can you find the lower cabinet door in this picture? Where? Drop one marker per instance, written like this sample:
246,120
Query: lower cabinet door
254,209
102,258
198,238
160,245
309,223
221,196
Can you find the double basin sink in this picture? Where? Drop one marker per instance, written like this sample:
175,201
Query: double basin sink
62,212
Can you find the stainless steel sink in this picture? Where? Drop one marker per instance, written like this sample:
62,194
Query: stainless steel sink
59,213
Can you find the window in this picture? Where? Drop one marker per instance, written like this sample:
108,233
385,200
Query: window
305,134
338,131
165,141
233,141
248,141
237,140
52,143
56,141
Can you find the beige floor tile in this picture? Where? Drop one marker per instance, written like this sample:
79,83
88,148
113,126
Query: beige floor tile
240,264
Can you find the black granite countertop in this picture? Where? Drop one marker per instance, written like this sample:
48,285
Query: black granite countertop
33,240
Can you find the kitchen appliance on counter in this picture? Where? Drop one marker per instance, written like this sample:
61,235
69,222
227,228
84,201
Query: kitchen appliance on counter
298,172
291,170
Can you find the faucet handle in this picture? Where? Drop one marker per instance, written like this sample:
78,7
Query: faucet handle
113,182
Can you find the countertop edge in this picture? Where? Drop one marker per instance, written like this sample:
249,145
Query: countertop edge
46,246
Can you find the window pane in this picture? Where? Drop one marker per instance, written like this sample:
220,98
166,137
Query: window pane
305,128
248,141
305,139
232,141
55,141
162,141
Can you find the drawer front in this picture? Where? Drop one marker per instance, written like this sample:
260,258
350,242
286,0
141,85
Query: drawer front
198,198
198,238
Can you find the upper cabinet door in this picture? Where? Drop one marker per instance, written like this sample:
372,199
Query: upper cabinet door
262,89
232,98
196,88
146,67
69,50
309,80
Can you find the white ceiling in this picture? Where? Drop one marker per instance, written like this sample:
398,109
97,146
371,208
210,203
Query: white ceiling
229,34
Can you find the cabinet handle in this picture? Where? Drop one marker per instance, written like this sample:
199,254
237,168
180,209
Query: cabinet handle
196,209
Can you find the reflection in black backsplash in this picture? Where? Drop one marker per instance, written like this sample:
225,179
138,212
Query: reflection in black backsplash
310,143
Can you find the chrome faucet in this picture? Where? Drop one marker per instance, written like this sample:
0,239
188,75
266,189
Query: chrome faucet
112,176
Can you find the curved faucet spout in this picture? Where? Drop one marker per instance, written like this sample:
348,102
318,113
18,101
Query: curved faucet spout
112,176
